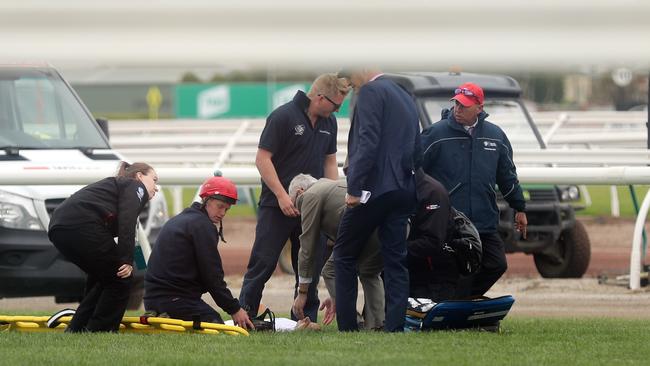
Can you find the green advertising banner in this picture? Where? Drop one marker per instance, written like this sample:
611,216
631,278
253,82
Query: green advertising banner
236,100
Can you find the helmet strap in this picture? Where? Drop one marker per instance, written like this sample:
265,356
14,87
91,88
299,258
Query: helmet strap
203,203
221,232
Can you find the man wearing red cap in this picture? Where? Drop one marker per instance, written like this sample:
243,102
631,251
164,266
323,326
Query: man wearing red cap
470,157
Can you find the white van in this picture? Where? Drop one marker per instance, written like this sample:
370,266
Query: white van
44,125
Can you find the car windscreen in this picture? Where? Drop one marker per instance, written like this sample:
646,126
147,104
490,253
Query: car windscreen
39,111
505,113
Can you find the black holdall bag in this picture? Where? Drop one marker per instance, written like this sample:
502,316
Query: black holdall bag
466,242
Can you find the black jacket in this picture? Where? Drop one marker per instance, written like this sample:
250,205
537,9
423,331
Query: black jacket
428,262
185,261
111,202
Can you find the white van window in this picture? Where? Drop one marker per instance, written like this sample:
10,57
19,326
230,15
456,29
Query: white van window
39,111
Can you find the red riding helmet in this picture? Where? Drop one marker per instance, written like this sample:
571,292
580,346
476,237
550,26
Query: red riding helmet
219,188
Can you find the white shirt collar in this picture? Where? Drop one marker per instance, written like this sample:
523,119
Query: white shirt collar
472,126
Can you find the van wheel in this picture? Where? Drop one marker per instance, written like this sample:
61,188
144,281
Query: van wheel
574,249
285,259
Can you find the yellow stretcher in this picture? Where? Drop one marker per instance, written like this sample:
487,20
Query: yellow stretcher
129,324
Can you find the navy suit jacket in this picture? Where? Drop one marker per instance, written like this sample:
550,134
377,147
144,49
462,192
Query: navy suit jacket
383,140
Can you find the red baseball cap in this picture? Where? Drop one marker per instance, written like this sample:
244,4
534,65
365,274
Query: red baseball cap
469,94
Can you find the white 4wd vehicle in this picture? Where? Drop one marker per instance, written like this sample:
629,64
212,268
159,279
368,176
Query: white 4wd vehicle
44,125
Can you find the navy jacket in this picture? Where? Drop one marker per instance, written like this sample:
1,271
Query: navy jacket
383,139
471,166
185,261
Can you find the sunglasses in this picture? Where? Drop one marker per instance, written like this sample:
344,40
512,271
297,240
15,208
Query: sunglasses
336,105
464,91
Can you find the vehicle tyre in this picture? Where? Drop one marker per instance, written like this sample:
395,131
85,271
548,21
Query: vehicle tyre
575,252
285,259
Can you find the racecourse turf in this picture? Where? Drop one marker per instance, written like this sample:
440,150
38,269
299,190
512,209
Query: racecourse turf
522,341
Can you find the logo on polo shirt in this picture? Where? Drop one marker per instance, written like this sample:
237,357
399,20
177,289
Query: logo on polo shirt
300,129
432,207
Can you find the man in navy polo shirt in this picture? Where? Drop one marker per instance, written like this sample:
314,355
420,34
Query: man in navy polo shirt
299,137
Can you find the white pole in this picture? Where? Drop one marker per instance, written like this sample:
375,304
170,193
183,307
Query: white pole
562,119
584,192
230,146
177,199
635,257
143,242
614,203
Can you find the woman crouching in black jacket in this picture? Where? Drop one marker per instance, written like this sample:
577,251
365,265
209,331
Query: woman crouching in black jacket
83,229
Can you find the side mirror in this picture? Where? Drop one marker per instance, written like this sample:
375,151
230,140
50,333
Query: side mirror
103,124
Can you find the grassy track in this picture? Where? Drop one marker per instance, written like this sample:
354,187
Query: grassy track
524,341
600,198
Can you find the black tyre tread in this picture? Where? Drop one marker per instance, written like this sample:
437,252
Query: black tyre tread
581,252
578,255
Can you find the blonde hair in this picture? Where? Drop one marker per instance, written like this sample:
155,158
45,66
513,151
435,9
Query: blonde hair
329,85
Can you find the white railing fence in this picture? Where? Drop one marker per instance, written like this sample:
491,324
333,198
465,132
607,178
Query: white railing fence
198,143
617,138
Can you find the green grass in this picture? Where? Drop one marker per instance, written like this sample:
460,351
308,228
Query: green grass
600,198
524,341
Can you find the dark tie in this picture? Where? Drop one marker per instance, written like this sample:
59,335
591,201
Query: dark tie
471,131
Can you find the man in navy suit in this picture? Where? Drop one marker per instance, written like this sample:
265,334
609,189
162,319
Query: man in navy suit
382,143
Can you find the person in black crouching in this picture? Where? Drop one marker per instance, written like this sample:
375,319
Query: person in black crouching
185,261
83,229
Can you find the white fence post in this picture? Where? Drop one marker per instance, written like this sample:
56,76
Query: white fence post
584,192
635,257
615,206
177,199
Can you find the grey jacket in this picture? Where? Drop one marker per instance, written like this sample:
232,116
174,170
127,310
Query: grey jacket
321,207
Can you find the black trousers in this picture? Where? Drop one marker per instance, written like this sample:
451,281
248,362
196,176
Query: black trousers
438,292
388,212
493,266
271,233
93,249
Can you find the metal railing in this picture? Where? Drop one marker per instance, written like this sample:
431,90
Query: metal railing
199,143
